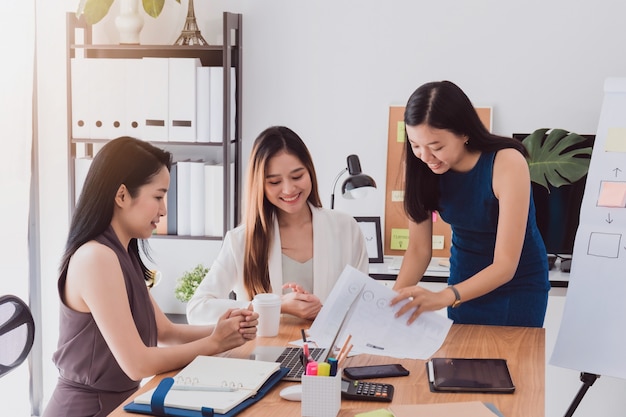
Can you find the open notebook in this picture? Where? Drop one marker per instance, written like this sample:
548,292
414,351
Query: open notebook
215,382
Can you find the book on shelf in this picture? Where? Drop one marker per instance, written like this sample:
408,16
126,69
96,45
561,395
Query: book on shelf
217,383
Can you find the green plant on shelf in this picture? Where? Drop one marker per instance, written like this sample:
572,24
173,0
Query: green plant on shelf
187,284
557,158
95,10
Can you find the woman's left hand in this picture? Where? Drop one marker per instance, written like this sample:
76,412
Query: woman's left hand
249,322
420,300
294,287
301,304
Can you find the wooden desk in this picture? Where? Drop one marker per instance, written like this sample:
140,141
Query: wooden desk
524,349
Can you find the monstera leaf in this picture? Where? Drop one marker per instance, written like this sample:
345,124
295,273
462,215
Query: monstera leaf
555,159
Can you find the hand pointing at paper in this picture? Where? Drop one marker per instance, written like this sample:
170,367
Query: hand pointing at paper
420,300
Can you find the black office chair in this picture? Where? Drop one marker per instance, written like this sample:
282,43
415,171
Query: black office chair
17,332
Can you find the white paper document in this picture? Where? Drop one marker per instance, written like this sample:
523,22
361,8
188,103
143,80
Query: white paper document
372,323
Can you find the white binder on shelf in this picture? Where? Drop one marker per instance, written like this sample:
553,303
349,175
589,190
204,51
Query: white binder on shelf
216,115
81,167
182,99
203,104
216,119
214,199
172,201
80,98
133,90
183,196
106,97
155,93
196,199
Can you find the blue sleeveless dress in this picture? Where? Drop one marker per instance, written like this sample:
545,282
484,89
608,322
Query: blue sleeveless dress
468,204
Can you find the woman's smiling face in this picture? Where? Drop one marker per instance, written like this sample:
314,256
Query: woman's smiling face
440,149
287,183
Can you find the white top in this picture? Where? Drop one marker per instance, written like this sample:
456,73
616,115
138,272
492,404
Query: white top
300,273
337,242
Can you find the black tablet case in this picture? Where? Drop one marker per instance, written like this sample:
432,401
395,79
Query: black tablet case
470,375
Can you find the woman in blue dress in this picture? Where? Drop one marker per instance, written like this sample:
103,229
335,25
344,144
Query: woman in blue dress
479,183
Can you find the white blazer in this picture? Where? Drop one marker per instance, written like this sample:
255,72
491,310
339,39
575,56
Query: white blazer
337,242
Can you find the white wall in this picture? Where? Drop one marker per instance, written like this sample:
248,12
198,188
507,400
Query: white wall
330,70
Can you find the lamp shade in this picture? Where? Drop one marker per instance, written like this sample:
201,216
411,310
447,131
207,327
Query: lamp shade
357,184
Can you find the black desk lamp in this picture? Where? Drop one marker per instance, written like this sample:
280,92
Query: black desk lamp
356,185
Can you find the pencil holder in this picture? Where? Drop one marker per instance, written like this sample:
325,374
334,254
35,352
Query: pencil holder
321,395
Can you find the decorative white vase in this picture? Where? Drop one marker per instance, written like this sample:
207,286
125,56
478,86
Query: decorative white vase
129,22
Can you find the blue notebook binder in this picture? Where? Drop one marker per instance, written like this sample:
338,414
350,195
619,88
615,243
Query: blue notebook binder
157,406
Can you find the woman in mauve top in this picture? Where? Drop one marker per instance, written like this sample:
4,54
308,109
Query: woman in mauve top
112,333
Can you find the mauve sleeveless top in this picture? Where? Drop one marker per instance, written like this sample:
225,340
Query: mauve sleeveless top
83,357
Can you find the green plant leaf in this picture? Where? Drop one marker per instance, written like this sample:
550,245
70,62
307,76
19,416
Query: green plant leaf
153,7
554,159
187,284
94,10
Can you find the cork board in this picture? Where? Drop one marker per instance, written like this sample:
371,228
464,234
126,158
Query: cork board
396,221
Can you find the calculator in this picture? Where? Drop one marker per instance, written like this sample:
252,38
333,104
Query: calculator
366,391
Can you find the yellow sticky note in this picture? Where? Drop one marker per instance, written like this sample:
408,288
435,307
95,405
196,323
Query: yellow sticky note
615,140
382,412
400,134
399,239
397,196
438,242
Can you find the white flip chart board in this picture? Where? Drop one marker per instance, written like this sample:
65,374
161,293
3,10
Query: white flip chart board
592,336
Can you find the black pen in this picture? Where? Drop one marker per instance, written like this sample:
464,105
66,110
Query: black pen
303,335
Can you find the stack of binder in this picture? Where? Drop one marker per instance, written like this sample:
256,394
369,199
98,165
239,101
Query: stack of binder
154,99
195,199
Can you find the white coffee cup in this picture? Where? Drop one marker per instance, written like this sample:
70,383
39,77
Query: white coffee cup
268,307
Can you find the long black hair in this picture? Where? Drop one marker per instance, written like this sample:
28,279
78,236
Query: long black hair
124,160
442,105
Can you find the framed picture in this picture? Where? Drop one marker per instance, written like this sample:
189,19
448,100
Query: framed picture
370,226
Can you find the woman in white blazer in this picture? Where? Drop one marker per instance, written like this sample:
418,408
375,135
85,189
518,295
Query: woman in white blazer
288,244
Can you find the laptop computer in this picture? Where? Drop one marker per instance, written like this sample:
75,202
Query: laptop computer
290,356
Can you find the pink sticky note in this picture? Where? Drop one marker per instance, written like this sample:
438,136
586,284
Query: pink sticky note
612,194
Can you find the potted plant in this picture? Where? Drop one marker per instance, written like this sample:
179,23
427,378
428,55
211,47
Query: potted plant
128,23
187,284
557,158
558,162
95,10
